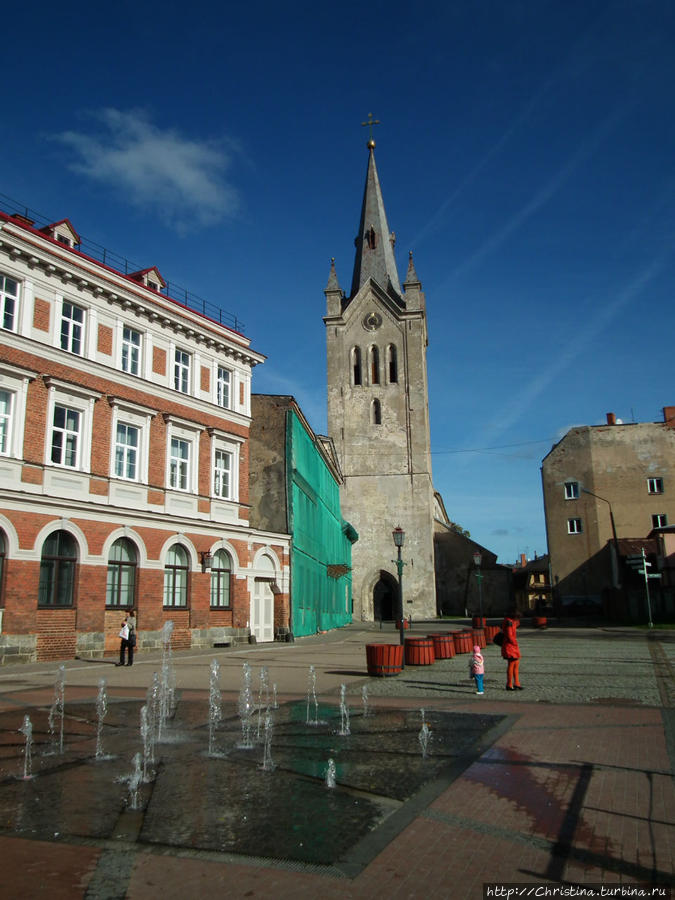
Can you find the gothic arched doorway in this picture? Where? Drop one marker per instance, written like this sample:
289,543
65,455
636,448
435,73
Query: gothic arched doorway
385,598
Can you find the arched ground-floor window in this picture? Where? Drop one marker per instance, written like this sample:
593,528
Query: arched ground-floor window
221,575
176,575
57,570
121,580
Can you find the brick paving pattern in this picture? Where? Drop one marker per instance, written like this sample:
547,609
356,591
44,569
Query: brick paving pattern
578,789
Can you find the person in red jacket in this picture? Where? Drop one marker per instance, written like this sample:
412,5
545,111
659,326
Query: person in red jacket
511,650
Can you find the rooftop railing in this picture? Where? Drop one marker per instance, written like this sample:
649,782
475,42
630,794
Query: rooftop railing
121,264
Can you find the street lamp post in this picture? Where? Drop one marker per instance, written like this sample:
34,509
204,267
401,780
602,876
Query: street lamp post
477,560
399,537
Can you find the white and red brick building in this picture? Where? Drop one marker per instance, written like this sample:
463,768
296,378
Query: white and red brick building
124,460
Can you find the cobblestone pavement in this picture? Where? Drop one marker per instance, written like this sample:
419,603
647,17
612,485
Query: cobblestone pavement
579,789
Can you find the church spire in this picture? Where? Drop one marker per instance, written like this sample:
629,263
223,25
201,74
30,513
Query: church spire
374,242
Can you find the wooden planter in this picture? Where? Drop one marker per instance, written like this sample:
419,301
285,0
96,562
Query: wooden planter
444,645
419,651
490,631
406,624
463,641
478,637
478,621
384,660
539,621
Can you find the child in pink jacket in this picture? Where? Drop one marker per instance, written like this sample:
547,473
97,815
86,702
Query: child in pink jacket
477,668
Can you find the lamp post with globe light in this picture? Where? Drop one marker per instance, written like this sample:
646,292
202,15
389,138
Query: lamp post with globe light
477,560
399,537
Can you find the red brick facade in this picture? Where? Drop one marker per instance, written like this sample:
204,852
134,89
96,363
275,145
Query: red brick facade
69,502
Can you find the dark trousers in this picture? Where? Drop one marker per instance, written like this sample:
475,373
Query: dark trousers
125,646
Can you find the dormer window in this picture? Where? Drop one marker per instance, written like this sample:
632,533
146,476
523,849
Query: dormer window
371,238
149,278
63,232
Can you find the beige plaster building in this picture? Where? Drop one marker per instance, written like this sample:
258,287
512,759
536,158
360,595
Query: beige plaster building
604,484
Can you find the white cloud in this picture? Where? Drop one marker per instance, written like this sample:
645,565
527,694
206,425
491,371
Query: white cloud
181,179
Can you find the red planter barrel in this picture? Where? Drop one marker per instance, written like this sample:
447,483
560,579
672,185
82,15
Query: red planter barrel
419,651
539,621
478,636
384,659
406,624
478,621
490,632
463,641
444,645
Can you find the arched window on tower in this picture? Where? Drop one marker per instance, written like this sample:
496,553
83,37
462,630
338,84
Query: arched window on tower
392,364
375,413
374,365
356,366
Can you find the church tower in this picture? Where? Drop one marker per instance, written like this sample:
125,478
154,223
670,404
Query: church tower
378,417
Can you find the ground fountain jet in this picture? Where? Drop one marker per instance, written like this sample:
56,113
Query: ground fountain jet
27,731
101,710
344,712
267,764
364,701
311,696
57,710
152,702
246,708
263,695
215,705
330,774
135,782
424,736
167,679
148,746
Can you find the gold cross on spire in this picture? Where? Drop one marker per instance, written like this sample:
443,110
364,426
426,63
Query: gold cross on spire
371,121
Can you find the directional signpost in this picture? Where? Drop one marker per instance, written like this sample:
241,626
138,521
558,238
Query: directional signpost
640,564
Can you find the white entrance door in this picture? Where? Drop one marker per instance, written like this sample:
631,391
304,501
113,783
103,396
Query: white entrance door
262,611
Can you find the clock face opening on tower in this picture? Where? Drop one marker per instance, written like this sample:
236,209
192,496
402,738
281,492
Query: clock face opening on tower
372,321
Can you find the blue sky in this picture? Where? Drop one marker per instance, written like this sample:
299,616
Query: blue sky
526,155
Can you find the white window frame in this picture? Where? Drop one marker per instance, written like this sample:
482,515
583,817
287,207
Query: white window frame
81,400
231,444
573,492
5,298
14,381
575,526
182,430
182,369
220,382
69,436
126,452
73,325
655,485
127,413
656,520
221,473
6,419
179,463
130,347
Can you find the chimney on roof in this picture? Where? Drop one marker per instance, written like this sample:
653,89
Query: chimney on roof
669,416
611,419
523,560
24,220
